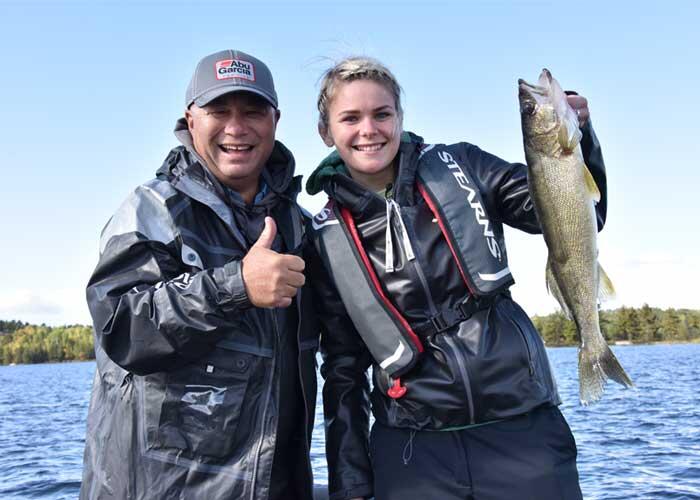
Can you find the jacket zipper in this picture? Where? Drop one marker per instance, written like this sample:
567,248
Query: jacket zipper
464,374
276,348
531,366
303,390
421,275
448,339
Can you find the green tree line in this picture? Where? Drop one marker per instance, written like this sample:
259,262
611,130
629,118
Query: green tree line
23,343
641,325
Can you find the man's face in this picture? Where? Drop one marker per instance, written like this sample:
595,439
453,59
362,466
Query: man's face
234,134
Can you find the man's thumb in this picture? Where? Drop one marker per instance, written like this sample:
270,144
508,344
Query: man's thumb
268,234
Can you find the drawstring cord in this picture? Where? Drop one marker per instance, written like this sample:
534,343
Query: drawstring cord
393,208
408,449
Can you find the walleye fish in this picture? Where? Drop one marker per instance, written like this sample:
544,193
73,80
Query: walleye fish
564,194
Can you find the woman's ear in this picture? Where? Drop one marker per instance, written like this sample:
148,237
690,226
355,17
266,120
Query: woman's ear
325,135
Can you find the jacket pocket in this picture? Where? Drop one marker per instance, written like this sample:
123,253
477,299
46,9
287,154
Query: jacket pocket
534,348
202,406
528,349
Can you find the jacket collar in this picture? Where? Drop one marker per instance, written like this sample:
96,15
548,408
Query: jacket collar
333,177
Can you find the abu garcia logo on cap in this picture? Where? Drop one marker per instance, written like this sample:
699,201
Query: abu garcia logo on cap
235,68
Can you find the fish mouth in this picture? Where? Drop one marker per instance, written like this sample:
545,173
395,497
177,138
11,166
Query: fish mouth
532,96
543,87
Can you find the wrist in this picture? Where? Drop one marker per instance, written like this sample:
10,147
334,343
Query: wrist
230,280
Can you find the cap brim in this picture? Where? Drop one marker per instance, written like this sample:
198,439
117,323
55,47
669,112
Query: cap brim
212,94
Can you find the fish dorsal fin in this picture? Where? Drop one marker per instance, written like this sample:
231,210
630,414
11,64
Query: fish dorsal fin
591,186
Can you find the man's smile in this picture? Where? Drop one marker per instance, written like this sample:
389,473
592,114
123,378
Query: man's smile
235,148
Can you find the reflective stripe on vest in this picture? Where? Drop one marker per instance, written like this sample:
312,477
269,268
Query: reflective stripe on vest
476,242
387,335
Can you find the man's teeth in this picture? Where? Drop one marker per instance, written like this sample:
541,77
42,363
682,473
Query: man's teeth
369,147
230,148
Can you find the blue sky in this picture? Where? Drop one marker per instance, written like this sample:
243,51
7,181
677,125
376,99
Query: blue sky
92,91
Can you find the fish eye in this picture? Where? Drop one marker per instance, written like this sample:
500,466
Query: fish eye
528,108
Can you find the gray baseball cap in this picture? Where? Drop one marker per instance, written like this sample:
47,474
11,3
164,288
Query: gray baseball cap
229,71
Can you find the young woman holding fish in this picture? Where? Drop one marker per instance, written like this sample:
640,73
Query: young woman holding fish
412,279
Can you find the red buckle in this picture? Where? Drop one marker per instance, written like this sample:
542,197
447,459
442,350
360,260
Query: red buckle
397,390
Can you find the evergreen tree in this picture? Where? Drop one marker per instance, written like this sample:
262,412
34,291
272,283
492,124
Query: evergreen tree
671,325
648,324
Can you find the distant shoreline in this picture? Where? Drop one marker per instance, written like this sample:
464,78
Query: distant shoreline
670,342
22,343
626,344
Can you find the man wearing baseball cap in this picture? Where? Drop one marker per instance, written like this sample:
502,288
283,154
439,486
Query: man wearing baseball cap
205,342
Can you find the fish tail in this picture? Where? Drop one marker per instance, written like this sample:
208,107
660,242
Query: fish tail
595,366
613,369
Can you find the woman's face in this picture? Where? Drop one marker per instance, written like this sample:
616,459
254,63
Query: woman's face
364,126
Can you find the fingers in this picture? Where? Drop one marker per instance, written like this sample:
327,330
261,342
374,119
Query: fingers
295,279
294,263
271,279
267,236
580,106
278,291
284,302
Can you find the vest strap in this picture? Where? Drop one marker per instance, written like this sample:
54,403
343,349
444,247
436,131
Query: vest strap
451,317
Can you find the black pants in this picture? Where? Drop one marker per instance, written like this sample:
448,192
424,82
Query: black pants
530,457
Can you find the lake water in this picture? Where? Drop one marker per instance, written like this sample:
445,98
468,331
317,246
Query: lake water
642,444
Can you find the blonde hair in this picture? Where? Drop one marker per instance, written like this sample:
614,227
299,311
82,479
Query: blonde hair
351,69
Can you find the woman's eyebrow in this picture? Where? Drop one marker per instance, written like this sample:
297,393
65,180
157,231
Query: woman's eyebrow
353,111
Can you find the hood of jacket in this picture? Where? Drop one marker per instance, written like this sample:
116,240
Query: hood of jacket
333,177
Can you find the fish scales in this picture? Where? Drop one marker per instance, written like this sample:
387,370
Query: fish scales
563,194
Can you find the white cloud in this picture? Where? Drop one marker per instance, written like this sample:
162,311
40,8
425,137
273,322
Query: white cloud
53,307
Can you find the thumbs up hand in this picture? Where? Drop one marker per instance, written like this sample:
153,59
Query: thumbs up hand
271,279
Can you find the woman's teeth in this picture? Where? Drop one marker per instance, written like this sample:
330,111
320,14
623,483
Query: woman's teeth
369,148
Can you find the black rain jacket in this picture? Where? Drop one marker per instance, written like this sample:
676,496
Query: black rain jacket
490,366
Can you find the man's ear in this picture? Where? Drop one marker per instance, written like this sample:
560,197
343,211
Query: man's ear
277,116
325,135
189,118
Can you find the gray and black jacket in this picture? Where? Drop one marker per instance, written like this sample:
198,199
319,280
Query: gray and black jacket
186,396
426,303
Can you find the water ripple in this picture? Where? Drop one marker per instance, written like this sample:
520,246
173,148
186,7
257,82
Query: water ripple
641,444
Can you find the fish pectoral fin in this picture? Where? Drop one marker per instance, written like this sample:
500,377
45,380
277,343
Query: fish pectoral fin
606,290
553,289
569,134
591,186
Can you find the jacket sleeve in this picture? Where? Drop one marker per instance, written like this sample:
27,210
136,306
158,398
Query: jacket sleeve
150,311
505,190
345,391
